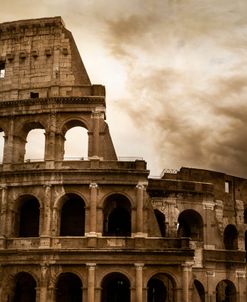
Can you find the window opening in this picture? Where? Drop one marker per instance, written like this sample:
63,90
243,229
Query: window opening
76,143
34,95
2,70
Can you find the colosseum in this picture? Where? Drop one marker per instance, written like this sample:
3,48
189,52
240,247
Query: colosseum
98,228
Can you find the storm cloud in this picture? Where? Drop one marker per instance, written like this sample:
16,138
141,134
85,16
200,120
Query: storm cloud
175,73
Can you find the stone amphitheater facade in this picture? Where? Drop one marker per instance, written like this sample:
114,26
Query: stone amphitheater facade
97,228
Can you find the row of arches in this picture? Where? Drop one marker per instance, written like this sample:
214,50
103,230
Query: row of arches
71,221
116,219
75,144
116,287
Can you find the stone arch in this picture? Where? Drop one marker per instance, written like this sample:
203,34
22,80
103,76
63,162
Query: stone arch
231,237
71,216
27,216
67,144
190,224
20,140
161,288
117,216
198,293
226,291
69,287
161,219
24,288
115,287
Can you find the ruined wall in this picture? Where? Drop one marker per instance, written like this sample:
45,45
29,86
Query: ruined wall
40,56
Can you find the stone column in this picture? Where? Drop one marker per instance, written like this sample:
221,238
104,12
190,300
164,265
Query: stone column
59,144
140,188
91,282
208,206
241,277
3,210
97,115
187,268
139,282
46,219
93,209
210,286
9,144
50,141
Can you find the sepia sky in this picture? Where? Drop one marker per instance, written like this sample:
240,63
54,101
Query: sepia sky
175,73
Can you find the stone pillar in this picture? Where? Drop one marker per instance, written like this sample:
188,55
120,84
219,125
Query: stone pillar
210,286
50,142
241,279
3,210
43,289
187,269
91,282
93,209
46,219
139,282
140,188
97,115
59,144
208,206
9,144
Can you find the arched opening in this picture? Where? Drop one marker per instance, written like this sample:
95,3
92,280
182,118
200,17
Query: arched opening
190,225
117,216
35,145
1,145
161,289
198,292
27,224
161,219
72,216
115,288
245,216
25,288
68,288
226,291
76,143
231,237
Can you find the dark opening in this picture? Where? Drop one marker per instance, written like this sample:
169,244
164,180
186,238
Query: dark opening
117,216
226,292
72,216
200,290
156,291
160,289
25,288
2,70
34,95
161,222
245,216
231,237
190,225
115,288
69,288
29,218
245,244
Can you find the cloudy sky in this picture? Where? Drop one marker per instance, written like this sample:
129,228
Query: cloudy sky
175,73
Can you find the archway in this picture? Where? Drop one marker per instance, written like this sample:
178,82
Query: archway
68,288
226,291
25,288
27,223
72,216
231,237
198,292
35,145
161,219
75,140
117,216
190,225
245,216
115,288
161,289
